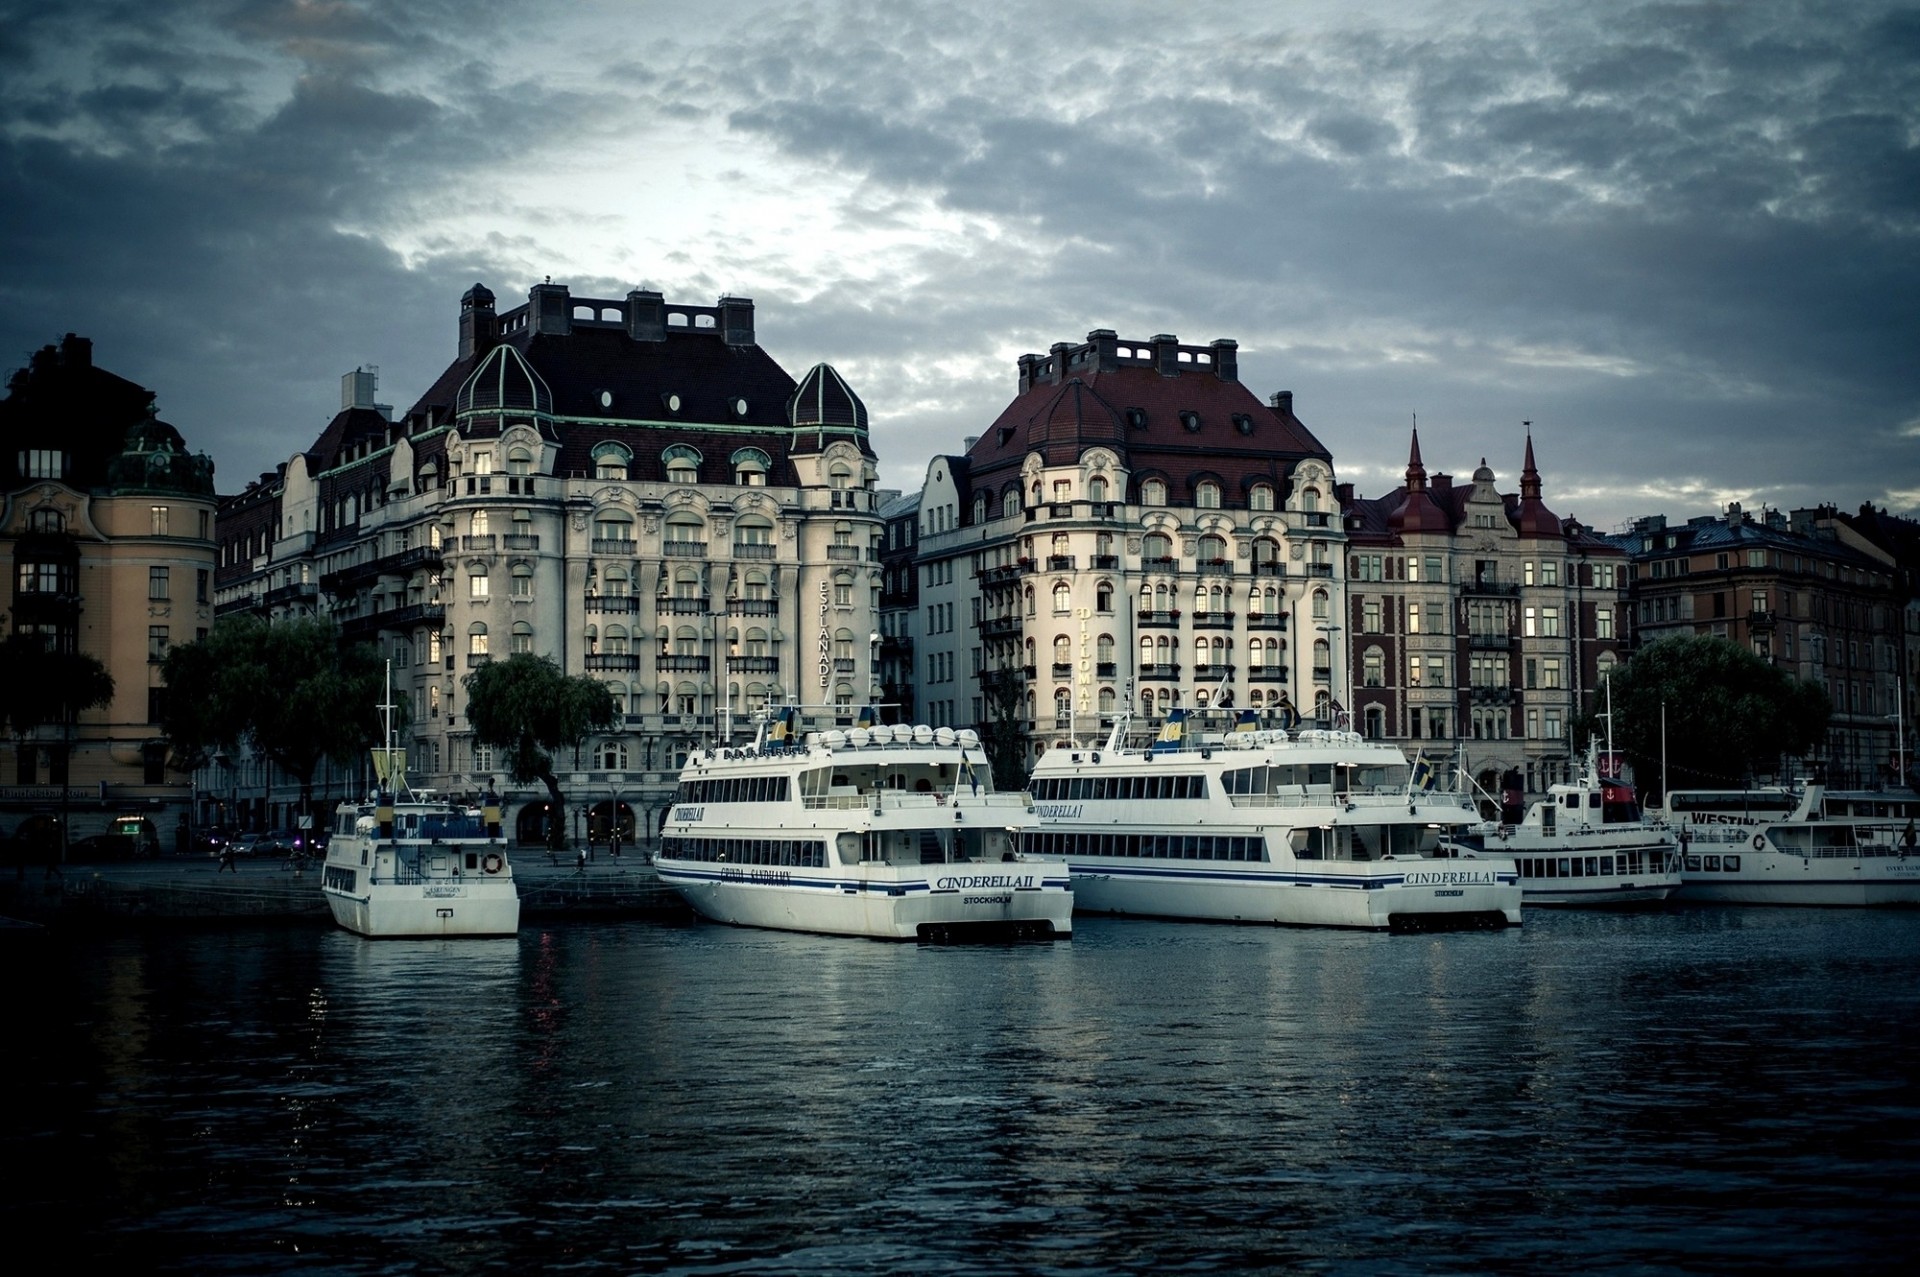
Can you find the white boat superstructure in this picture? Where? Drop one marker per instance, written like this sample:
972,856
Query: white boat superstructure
419,866
408,863
891,832
1773,845
1310,828
1588,843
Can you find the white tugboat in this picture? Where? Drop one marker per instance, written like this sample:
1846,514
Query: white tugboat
1312,828
882,831
1588,843
407,863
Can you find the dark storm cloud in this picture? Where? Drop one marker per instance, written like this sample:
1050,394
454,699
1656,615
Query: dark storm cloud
1680,238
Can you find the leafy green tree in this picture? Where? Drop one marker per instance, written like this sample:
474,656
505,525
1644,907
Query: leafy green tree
527,708
42,686
1003,732
1730,715
292,690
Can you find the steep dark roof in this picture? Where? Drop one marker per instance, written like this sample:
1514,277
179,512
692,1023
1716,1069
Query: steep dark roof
1164,408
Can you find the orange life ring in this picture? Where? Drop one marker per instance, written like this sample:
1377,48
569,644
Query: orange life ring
493,862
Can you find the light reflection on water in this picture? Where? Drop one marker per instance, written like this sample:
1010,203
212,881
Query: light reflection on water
1697,1091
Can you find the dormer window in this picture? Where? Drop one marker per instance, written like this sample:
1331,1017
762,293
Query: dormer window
612,461
1206,495
1153,492
1261,497
750,467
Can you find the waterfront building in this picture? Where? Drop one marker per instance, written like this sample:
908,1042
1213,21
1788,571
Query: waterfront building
631,487
106,540
1135,530
1808,592
899,606
1479,621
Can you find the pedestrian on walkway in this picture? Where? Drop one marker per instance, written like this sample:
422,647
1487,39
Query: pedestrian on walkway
226,857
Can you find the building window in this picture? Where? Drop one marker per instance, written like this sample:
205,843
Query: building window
1207,495
156,643
1153,492
520,585
477,640
1603,622
1319,605
1373,668
1413,618
1549,572
1261,498
477,584
521,641
1549,622
162,517
1370,616
43,463
158,583
1550,672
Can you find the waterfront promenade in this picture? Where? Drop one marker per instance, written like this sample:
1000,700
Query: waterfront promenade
194,889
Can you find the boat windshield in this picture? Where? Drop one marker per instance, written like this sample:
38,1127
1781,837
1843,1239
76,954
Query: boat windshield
442,824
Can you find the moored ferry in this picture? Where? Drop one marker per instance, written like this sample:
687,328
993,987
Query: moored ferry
419,865
1252,824
1777,846
1588,843
891,832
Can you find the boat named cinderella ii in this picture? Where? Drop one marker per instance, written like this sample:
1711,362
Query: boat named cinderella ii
412,864
889,832
1776,846
1587,844
1312,828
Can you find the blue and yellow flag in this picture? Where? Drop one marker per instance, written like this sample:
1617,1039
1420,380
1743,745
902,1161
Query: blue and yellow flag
1246,721
780,732
1171,734
1289,716
868,717
1422,774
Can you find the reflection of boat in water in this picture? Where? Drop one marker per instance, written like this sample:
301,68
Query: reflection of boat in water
1773,845
413,864
1587,843
889,832
1317,828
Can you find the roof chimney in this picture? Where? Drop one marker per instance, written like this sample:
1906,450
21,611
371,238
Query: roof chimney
1226,359
1166,354
76,352
552,309
736,320
1057,362
479,326
1282,401
646,315
1106,345
1026,364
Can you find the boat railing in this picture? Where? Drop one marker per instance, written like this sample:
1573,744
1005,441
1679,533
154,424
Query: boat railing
1323,797
898,800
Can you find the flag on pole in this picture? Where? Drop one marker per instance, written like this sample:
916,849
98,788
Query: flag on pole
1171,734
1422,778
868,717
1289,716
1246,720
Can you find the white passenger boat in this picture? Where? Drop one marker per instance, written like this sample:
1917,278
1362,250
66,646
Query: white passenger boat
408,863
419,865
1588,843
889,832
1779,846
1313,828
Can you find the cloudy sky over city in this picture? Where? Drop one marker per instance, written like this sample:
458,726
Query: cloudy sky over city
1682,239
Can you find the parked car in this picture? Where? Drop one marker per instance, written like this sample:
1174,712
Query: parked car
96,848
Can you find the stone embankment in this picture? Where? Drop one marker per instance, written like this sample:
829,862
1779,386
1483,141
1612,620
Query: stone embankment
194,890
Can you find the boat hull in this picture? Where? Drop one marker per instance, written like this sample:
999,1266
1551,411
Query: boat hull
1770,878
949,902
411,912
1377,896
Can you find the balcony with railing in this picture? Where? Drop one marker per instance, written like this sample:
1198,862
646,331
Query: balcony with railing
1063,669
1160,563
1214,567
1266,620
1323,673
1320,569
1061,562
476,659
1205,672
1005,574
683,607
1494,639
1269,567
1316,519
1268,673
1490,585
753,550
522,541
754,664
485,541
399,563
1159,619
1106,562
675,663
896,645
613,604
1105,669
1213,620
1160,671
843,553
684,549
291,592
626,546
753,607
999,626
613,661
1490,695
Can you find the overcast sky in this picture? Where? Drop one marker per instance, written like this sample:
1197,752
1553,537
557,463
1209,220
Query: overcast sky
1683,240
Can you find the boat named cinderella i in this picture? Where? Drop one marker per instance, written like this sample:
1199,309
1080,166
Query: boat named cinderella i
881,831
1312,828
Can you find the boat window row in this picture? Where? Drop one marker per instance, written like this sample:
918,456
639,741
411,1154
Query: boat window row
734,789
1146,846
1713,864
451,824
794,852
1750,802
1624,863
1125,788
338,878
1292,778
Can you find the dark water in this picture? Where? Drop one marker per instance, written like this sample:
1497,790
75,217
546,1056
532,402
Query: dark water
1702,1091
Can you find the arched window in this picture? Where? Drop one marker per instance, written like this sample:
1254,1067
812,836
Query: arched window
1063,708
1266,557
1206,495
682,463
1213,549
1261,497
1009,503
1376,723
1156,549
520,585
750,466
1310,499
1103,647
612,460
1103,597
686,530
1319,605
616,640
519,462
522,639
1062,598
1031,658
753,537
480,524
980,507
1030,604
613,756
476,639
1146,651
1097,489
1153,492
477,582
612,532
1062,653
1106,700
